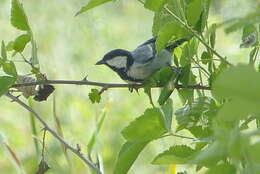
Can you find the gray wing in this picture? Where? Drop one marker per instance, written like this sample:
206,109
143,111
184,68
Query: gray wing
145,52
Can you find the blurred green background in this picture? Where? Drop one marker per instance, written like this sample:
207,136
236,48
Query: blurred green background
68,48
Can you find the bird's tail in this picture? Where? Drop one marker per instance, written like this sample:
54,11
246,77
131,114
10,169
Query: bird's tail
176,44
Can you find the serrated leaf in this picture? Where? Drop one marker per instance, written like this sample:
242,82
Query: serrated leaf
147,127
5,83
190,114
91,4
9,68
18,16
20,42
200,132
127,155
3,51
94,96
179,154
166,93
154,5
223,169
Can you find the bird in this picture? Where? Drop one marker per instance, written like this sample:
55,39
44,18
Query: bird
138,65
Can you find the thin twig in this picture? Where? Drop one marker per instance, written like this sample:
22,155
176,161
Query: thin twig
103,85
179,136
196,35
47,128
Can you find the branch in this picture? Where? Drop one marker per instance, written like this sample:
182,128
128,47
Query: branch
47,128
196,35
102,85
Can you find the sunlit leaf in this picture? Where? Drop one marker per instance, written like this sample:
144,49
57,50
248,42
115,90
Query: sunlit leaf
9,68
154,5
18,16
147,127
127,155
91,4
20,42
179,154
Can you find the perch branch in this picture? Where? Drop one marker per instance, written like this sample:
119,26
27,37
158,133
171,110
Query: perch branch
47,128
103,85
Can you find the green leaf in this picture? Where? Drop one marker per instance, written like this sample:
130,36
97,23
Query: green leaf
205,14
10,46
94,96
154,5
166,93
92,140
200,132
147,127
20,42
240,82
9,68
18,16
127,155
168,88
190,114
34,59
194,11
167,109
206,57
91,4
162,17
223,169
210,155
5,83
179,154
213,35
3,51
167,33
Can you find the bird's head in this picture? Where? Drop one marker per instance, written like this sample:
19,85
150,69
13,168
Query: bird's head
118,60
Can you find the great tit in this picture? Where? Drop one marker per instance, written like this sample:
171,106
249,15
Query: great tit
138,65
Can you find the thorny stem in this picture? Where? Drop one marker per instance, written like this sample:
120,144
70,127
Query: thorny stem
47,128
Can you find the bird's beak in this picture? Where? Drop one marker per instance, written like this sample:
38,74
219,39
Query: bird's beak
101,62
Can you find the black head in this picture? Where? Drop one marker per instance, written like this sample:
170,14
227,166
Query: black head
117,59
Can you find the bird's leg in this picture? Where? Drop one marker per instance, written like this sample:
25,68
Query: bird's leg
133,87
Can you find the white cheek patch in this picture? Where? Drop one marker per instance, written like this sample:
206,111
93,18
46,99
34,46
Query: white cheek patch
118,62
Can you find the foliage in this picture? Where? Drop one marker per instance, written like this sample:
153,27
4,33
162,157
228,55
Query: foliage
217,121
